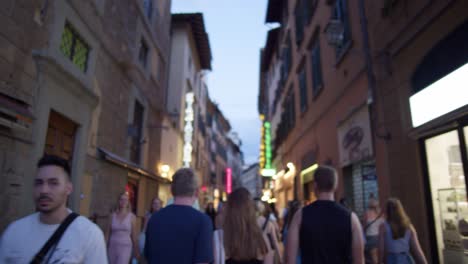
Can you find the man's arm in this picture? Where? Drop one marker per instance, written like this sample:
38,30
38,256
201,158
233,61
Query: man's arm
357,240
97,252
292,245
204,242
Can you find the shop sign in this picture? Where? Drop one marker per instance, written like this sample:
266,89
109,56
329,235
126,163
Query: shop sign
188,129
440,98
355,138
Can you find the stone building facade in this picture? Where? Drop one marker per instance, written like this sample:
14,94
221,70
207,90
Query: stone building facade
85,80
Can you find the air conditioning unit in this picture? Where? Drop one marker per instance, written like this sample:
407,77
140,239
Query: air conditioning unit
14,113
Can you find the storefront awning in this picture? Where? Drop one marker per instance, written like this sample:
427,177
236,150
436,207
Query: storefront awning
115,159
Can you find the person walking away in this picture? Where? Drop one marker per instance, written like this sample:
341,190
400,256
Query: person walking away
81,240
372,221
210,211
219,254
293,207
121,233
397,237
324,231
156,205
244,242
270,230
178,233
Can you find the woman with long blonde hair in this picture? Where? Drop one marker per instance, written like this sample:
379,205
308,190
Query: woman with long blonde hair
244,242
398,237
121,233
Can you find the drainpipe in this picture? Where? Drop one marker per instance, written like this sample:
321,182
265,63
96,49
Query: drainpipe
372,91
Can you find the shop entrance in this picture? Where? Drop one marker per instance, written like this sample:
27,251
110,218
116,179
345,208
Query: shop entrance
447,165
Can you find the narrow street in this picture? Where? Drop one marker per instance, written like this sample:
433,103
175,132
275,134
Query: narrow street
264,96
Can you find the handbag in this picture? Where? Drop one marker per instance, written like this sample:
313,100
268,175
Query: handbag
54,239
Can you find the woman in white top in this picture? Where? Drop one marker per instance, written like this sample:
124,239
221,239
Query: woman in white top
372,221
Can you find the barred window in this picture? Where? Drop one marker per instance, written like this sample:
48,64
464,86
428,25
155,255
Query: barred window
74,47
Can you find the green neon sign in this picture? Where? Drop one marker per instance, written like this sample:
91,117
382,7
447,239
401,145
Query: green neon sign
268,153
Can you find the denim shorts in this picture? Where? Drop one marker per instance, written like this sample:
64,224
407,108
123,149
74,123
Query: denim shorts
372,242
399,258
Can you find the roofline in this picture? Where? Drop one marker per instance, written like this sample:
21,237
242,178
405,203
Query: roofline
274,11
200,35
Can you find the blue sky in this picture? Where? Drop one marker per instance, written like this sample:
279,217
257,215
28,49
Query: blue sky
236,31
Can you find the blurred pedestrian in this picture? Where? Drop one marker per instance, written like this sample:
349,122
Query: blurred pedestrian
156,205
54,234
122,233
244,242
179,233
371,222
397,237
266,221
210,211
293,207
324,231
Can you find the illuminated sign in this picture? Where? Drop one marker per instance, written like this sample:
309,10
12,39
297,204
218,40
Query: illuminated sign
441,97
267,127
268,172
188,129
228,180
310,169
262,147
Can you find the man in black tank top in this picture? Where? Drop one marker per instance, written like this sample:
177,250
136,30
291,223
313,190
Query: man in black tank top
324,231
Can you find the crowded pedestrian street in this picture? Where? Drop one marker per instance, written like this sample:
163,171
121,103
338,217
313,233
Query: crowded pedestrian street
234,132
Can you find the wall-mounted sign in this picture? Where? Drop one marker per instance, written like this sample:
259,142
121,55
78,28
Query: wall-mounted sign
268,172
441,97
188,129
268,156
262,147
355,138
228,180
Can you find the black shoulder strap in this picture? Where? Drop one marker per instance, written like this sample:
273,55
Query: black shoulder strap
54,239
375,220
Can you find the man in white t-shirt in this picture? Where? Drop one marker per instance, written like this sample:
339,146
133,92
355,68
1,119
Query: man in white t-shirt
82,241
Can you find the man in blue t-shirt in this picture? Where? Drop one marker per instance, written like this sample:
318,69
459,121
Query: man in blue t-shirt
179,233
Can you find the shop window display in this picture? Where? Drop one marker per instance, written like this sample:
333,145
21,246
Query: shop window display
448,190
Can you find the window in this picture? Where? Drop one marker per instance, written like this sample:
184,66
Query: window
291,111
298,15
74,47
303,89
303,15
148,7
317,80
286,59
143,53
135,148
340,12
288,120
308,9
